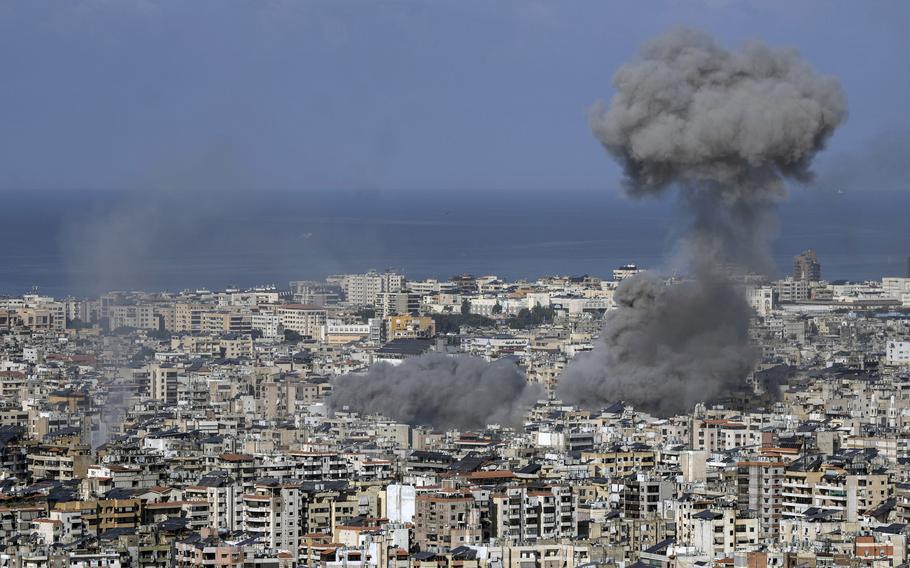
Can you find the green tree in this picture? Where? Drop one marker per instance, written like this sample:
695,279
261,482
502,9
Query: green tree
452,323
161,334
534,317
291,336
465,307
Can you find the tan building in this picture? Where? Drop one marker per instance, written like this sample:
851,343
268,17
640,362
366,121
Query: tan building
138,317
618,464
410,327
224,321
163,382
209,551
443,522
720,532
188,317
59,463
278,399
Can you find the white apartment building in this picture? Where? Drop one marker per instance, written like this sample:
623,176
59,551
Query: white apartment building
578,306
719,532
336,331
483,306
761,299
897,289
305,319
897,353
625,271
362,289
319,466
267,322
432,286
538,299
396,303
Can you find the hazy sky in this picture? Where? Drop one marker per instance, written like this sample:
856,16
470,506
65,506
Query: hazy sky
384,95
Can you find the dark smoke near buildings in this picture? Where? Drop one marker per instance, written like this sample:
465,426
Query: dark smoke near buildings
666,347
727,129
439,391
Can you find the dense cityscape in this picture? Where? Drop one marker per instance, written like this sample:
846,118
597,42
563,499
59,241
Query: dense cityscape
528,292
198,429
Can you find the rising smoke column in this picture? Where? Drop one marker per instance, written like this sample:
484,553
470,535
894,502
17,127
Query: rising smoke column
665,347
727,129
440,391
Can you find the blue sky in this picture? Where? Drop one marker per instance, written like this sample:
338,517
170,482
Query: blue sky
343,94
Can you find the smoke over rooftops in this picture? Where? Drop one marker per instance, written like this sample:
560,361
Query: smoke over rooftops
440,391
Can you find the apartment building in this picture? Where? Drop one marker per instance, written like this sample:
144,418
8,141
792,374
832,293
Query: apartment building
717,532
305,319
521,514
446,521
410,327
273,512
319,466
224,501
759,489
59,462
135,316
618,463
162,379
362,289
394,303
641,496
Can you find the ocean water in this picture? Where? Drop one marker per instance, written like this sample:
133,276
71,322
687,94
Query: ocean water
86,242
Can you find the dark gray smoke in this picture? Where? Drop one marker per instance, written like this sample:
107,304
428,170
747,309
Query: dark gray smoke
727,129
665,347
440,391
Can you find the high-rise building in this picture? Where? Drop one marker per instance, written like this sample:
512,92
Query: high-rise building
362,289
272,512
758,489
806,267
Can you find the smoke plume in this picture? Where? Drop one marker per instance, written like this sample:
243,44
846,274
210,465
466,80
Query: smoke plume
109,417
665,347
440,391
727,129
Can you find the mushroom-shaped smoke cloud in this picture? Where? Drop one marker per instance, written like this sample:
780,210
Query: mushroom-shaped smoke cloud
727,129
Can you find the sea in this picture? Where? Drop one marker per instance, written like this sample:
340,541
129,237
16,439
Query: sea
82,242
